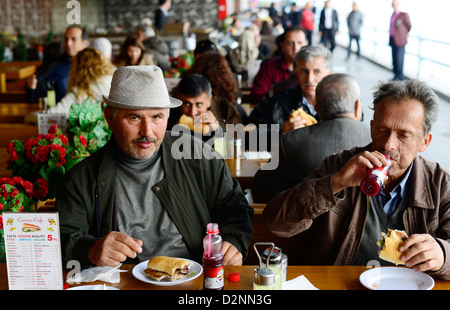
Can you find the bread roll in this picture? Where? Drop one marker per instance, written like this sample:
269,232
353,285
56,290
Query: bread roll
389,245
310,120
188,122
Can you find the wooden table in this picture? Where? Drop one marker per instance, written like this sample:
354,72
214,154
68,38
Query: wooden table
244,170
322,277
16,72
16,112
9,132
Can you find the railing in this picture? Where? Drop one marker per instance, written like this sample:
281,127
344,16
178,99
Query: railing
375,46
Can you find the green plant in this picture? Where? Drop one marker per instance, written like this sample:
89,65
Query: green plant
180,65
17,195
50,156
88,126
43,156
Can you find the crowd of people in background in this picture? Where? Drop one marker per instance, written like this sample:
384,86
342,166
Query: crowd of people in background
277,81
290,29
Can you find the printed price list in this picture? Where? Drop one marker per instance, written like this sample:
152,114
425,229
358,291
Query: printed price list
33,251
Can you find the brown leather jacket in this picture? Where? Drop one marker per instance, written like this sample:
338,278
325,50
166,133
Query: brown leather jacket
332,225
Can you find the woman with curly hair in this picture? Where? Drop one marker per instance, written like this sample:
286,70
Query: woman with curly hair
90,77
132,53
216,69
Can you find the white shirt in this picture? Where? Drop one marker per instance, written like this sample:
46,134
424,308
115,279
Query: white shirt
328,18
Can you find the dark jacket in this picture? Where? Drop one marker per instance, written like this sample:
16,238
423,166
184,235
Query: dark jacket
57,73
160,19
276,110
330,226
194,192
304,149
335,21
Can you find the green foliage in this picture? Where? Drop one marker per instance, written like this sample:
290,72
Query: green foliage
87,121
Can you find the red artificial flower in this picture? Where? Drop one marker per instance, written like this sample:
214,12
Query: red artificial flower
52,130
12,152
40,154
62,153
63,139
27,186
14,192
3,191
83,140
21,207
5,181
42,188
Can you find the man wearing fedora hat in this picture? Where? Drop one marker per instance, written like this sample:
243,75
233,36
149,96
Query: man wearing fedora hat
132,199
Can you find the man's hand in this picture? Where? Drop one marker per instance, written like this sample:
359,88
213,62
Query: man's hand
32,82
207,117
113,249
231,256
355,169
422,253
293,123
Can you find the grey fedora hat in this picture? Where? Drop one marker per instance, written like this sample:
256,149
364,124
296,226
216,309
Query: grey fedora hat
139,87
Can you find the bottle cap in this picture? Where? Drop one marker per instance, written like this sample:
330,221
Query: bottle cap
212,228
275,255
234,277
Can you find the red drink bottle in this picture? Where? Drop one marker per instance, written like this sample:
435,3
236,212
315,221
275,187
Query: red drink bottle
212,259
374,179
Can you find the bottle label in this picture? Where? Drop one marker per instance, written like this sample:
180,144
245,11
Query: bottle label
213,277
380,172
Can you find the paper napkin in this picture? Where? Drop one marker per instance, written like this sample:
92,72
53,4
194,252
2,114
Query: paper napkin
105,274
299,283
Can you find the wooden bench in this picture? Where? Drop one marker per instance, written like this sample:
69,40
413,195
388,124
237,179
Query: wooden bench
293,247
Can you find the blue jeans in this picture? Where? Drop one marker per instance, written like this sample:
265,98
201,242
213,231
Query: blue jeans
349,49
398,58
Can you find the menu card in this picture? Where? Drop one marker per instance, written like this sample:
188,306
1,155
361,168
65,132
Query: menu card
47,120
33,251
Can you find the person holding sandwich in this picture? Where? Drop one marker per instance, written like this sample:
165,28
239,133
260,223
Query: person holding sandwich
200,110
337,224
301,150
312,64
140,196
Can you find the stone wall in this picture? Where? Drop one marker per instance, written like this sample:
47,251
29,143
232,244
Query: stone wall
32,16
128,14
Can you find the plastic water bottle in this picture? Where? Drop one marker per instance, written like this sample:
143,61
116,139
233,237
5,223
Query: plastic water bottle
212,259
374,179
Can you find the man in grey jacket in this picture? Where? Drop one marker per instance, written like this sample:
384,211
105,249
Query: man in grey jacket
149,192
303,149
346,224
354,23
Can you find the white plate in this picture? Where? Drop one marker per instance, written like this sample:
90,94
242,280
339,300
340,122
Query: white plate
93,288
138,273
395,278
